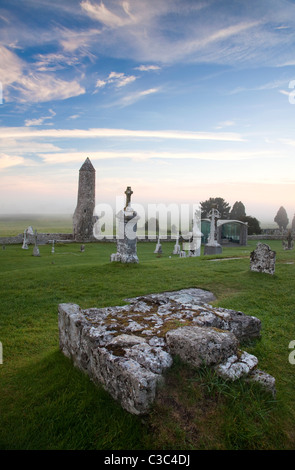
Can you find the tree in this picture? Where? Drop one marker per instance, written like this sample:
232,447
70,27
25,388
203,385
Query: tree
253,225
281,218
293,223
222,206
238,211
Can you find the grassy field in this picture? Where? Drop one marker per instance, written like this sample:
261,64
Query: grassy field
11,226
46,403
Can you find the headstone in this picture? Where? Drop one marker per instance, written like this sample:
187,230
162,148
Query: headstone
36,251
176,249
263,259
158,248
126,236
27,231
195,245
82,248
289,242
213,247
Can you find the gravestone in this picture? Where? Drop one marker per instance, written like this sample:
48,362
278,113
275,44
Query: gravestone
52,245
128,348
36,251
195,244
27,231
158,248
263,259
212,247
288,244
126,236
176,249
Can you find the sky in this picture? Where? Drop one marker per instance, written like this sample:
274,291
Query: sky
182,100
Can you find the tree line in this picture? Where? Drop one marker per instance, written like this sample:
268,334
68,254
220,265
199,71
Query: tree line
238,212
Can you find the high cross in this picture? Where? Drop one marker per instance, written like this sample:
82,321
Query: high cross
128,193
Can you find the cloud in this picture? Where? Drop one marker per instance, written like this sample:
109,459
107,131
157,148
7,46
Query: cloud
68,157
11,66
22,84
132,98
106,17
43,88
147,68
223,124
27,132
118,79
54,61
7,161
78,42
39,121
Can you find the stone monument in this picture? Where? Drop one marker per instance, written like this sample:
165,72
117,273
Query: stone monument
212,247
128,348
126,236
176,249
158,249
195,245
288,244
83,218
27,231
36,251
263,259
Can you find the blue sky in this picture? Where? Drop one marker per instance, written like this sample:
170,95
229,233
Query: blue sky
181,100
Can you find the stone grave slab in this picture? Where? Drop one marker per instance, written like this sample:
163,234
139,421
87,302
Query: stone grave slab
127,348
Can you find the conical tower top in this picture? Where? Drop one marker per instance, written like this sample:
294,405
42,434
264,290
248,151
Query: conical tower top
87,166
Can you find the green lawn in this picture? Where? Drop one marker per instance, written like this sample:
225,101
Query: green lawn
11,226
45,403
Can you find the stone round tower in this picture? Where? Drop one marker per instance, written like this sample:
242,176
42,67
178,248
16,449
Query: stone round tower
83,219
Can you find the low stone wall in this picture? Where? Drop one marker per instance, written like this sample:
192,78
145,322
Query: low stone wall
42,238
266,237
128,348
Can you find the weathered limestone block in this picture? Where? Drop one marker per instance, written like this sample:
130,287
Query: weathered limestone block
127,348
265,380
125,379
197,346
263,259
191,305
237,366
127,366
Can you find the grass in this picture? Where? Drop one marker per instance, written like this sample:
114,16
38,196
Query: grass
46,403
11,226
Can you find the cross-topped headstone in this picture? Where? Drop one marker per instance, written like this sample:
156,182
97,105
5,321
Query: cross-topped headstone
128,193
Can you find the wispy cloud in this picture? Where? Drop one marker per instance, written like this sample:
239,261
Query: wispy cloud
118,79
107,17
69,157
147,68
21,83
41,120
27,132
135,96
7,161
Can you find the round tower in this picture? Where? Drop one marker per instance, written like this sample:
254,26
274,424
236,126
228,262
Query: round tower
83,219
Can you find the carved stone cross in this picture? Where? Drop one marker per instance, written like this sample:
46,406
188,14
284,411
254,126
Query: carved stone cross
128,193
